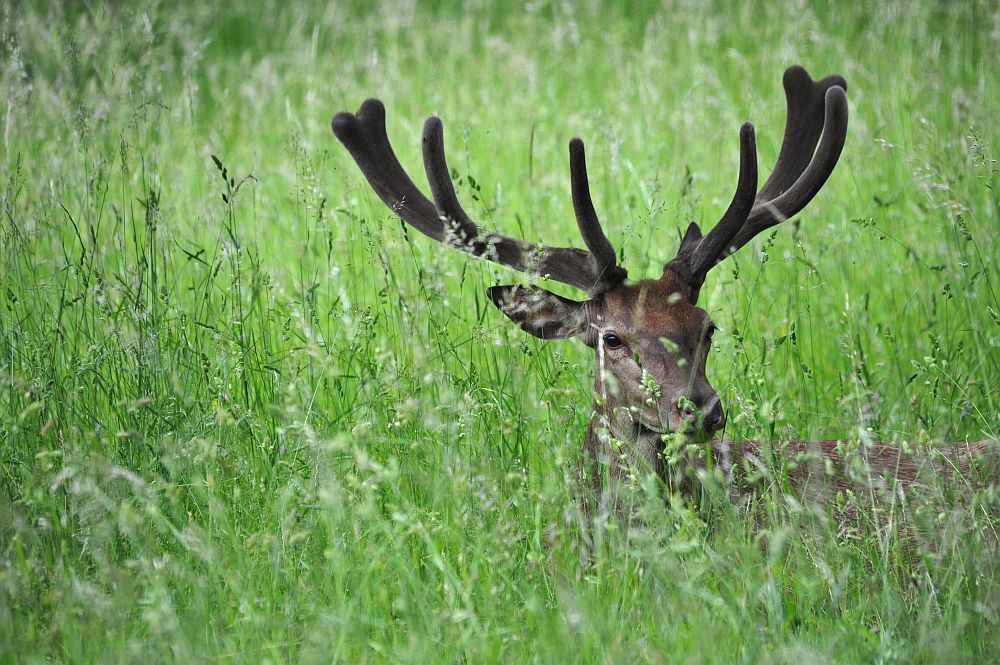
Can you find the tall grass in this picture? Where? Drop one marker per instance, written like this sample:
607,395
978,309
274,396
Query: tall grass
246,416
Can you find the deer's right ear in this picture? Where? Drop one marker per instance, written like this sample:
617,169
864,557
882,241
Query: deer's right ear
540,312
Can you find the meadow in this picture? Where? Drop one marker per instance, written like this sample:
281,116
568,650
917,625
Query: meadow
246,416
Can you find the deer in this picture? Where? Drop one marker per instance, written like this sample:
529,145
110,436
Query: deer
650,338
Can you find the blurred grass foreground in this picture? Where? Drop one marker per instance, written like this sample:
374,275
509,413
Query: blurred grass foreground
245,416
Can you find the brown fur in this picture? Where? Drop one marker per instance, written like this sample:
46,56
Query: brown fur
820,470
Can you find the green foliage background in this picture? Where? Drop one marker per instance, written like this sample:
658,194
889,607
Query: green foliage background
245,416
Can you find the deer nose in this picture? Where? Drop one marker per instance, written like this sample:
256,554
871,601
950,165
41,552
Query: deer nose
713,417
706,413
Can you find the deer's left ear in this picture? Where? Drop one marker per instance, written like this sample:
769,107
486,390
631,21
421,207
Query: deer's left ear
691,238
540,312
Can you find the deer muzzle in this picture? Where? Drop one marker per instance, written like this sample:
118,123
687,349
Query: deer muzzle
704,414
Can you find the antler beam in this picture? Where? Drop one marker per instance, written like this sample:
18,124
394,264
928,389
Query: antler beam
444,220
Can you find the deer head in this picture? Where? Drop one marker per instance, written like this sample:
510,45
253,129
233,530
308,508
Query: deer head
651,340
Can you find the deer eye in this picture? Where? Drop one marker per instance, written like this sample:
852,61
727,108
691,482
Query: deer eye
612,341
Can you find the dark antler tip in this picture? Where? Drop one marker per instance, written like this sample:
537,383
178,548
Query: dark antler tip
370,109
343,124
836,95
576,146
748,154
795,71
796,77
433,128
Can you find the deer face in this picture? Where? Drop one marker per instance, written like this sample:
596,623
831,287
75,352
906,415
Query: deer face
650,343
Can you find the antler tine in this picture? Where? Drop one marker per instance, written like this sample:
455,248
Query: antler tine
365,137
799,174
442,189
586,217
707,251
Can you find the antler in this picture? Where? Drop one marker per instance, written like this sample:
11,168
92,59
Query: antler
698,254
815,109
446,221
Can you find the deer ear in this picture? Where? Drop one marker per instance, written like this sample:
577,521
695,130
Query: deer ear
691,237
539,312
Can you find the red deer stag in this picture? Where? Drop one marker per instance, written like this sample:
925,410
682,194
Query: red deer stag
650,338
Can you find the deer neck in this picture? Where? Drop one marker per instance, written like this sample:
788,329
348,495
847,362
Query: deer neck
614,440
